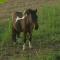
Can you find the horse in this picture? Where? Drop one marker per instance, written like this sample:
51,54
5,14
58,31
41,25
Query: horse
25,22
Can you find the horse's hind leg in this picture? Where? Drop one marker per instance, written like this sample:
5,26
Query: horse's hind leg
13,35
24,40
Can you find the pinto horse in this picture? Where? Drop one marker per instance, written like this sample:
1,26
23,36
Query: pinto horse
24,22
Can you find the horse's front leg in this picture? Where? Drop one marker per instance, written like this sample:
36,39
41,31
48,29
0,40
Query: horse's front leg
30,38
24,40
18,34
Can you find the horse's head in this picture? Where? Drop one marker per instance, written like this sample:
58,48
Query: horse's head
34,18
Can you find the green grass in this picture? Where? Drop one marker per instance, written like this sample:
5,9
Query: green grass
46,39
49,22
49,32
2,1
5,32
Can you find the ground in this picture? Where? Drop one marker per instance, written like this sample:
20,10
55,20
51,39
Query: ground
45,42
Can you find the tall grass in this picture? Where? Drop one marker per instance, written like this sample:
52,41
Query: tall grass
48,33
5,31
49,23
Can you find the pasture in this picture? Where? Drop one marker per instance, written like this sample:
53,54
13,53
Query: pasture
2,1
45,42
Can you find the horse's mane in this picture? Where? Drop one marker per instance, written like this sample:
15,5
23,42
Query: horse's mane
32,12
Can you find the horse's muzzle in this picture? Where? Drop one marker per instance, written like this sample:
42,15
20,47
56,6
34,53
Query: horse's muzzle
36,27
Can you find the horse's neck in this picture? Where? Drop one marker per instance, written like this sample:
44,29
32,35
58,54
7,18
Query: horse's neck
29,17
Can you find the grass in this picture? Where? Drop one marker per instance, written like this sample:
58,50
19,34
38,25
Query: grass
3,1
45,40
5,32
49,21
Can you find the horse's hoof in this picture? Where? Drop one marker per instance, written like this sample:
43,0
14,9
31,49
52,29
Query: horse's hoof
30,46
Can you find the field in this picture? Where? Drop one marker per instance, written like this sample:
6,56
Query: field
2,1
45,42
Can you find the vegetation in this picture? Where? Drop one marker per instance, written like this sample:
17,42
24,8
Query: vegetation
46,41
2,1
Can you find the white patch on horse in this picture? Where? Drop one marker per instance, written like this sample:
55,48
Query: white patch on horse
18,18
30,46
